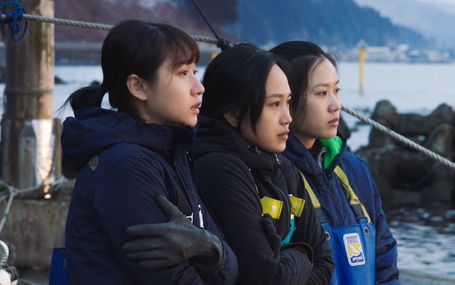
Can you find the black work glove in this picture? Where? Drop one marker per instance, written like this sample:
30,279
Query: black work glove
163,245
270,232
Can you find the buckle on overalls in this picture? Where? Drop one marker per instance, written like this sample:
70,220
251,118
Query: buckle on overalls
271,207
297,205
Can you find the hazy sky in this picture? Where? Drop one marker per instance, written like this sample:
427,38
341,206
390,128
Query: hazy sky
447,5
448,2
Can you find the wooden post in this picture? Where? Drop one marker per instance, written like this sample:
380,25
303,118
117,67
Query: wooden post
27,123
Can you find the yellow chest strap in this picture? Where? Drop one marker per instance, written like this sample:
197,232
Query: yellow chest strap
350,194
309,189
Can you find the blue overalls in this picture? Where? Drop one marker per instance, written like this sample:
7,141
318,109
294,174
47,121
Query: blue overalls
353,247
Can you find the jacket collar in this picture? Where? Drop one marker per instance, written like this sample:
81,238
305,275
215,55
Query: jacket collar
216,136
93,130
305,160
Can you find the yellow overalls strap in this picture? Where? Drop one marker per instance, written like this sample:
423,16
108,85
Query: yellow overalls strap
310,191
352,197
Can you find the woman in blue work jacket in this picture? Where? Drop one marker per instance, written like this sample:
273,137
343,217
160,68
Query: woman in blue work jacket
135,216
339,182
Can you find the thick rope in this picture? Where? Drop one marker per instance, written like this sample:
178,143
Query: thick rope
399,137
3,255
65,22
14,192
97,26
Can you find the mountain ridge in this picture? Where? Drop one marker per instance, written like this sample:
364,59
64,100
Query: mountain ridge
433,20
329,22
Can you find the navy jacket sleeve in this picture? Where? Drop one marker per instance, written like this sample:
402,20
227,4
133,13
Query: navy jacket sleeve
228,271
386,245
230,193
127,197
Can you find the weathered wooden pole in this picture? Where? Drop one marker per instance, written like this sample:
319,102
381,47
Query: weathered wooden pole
27,123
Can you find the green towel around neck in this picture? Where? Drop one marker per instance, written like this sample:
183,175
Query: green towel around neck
334,147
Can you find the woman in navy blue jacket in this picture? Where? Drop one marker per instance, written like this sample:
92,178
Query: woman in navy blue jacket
339,182
132,161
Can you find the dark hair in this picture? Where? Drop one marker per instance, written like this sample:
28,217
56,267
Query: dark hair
299,59
235,82
135,47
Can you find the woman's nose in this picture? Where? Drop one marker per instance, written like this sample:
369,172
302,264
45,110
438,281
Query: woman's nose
335,104
198,89
286,118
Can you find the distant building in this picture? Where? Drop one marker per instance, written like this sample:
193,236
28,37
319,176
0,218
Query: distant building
71,53
398,53
77,53
380,54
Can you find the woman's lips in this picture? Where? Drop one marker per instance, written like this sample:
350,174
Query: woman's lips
195,108
334,122
284,135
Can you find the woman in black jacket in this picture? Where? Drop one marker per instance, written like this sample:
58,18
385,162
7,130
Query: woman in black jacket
255,194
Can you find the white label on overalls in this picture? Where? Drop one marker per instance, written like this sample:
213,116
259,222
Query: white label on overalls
354,250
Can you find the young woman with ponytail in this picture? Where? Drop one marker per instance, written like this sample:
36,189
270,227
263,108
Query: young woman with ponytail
135,216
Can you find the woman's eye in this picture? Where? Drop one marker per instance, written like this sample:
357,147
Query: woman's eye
337,90
275,104
195,71
184,73
322,93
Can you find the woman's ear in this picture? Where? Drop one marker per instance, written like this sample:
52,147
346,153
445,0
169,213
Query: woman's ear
137,86
232,118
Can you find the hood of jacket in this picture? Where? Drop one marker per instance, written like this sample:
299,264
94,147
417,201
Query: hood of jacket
93,130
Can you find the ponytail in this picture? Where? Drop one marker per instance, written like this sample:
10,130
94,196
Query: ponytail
89,96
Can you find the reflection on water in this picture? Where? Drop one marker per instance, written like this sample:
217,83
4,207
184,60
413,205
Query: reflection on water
426,244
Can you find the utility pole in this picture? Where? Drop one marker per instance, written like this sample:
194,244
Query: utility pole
27,139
